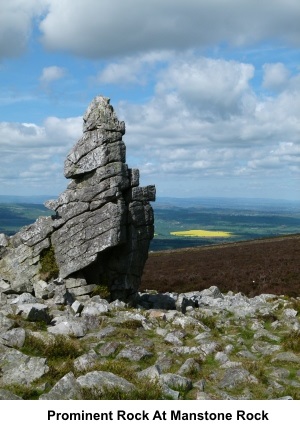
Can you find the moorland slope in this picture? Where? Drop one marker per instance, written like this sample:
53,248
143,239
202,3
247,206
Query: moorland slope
251,267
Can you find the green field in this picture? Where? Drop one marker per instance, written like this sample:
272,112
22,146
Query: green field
241,219
243,223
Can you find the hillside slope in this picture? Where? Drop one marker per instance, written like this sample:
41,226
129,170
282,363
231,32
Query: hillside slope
254,267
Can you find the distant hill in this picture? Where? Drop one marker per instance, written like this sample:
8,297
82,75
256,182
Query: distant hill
25,199
228,203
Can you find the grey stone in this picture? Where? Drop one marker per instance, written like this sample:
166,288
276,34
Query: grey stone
94,308
176,381
105,332
264,348
152,373
209,347
4,240
8,395
14,337
284,398
67,388
68,326
134,353
4,287
34,312
235,376
109,348
24,298
86,361
221,357
99,380
289,313
77,307
43,290
18,368
203,396
286,356
169,393
5,323
173,339
189,366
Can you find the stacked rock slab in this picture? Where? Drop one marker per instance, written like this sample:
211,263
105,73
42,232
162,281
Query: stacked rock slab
103,223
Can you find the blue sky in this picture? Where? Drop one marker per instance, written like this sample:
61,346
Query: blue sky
209,91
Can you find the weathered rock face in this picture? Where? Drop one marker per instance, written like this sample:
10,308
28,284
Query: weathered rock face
103,223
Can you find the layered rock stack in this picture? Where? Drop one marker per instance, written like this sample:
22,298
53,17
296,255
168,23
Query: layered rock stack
103,223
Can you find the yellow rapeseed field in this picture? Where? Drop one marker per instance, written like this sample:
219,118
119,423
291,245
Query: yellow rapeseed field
201,233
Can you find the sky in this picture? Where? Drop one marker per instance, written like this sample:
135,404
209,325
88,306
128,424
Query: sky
209,91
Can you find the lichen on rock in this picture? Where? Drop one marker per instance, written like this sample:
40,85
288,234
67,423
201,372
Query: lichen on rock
103,223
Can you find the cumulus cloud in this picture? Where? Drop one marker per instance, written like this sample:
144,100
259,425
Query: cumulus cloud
52,73
276,76
206,122
215,87
117,27
133,69
37,154
16,20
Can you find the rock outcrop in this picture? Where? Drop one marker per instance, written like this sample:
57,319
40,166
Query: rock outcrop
103,221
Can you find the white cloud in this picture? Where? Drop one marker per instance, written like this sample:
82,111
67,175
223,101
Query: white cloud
214,87
133,69
205,122
52,73
117,27
16,18
33,156
276,76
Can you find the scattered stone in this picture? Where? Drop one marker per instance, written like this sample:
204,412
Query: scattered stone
99,381
67,388
95,309
34,312
5,323
23,299
14,338
77,307
152,373
286,356
86,361
134,353
68,326
235,376
173,340
109,348
18,368
8,395
43,290
176,381
189,366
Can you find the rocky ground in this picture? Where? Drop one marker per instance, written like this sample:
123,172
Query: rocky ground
199,345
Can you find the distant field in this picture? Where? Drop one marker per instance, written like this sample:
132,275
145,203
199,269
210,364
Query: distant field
183,227
200,233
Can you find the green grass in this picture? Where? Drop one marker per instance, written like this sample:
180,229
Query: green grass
58,347
291,341
49,268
